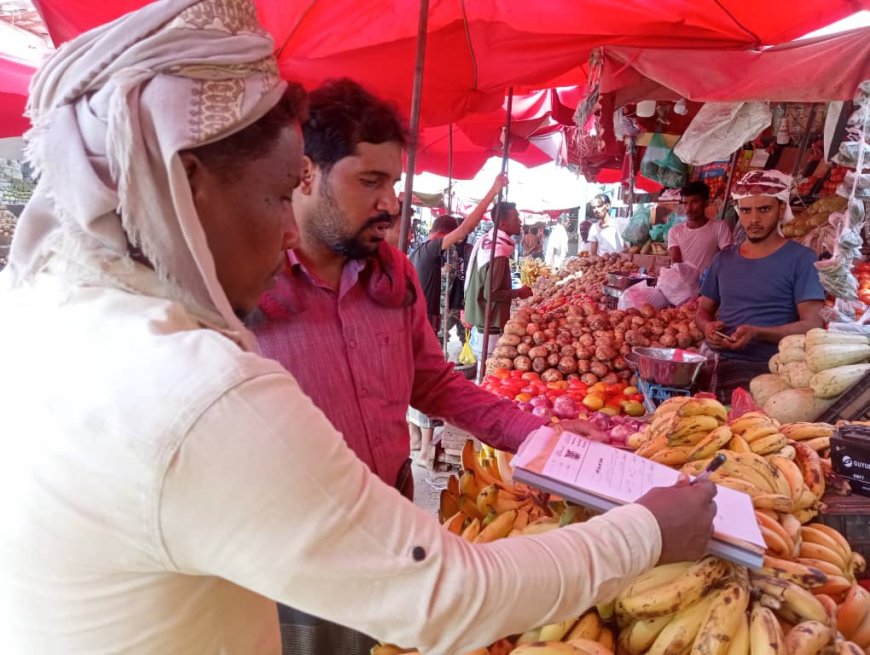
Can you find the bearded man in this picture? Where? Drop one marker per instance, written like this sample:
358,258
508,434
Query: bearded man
762,290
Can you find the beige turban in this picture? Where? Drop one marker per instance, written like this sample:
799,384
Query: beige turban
111,110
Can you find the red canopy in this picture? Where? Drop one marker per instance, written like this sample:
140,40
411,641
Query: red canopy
477,49
14,80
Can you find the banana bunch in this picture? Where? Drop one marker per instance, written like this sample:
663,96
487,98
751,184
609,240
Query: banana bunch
825,549
532,269
586,634
853,617
481,506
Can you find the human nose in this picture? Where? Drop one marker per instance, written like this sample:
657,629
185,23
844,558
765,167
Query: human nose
388,202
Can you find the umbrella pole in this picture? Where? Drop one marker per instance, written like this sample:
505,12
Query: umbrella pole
632,150
422,29
732,170
451,275
487,316
804,142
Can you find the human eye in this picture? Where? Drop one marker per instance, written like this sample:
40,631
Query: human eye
369,181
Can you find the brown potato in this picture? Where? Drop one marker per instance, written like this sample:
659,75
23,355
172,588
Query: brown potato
539,364
515,327
509,340
668,340
619,363
610,378
502,362
568,351
605,353
567,365
684,340
539,338
523,363
647,310
583,366
589,379
552,375
531,328
538,351
505,351
523,349
553,359
599,368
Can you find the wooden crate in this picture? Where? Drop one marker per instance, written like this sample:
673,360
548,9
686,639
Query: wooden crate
850,515
852,405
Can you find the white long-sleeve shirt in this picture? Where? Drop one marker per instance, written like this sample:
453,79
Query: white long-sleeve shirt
160,489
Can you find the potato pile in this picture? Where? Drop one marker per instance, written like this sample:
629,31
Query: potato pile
581,276
584,341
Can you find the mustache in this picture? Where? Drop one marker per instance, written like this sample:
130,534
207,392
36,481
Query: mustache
383,217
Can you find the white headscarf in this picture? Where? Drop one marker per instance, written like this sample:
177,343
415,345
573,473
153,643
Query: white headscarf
111,110
767,183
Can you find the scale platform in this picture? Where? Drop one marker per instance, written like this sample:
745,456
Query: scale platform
655,394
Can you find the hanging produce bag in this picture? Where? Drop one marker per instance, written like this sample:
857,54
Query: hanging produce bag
637,231
659,163
466,355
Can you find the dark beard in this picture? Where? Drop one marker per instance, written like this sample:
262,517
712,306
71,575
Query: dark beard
763,238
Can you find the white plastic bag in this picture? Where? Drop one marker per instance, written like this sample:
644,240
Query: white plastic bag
679,283
720,128
639,294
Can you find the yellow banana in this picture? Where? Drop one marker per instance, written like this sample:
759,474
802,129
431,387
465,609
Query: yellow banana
389,649
786,451
749,420
769,444
849,648
540,526
843,545
652,579
637,637
471,463
803,431
588,626
672,404
765,469
455,523
740,641
672,455
694,467
853,609
678,594
688,425
545,648
652,446
555,631
792,527
522,519
738,444
805,500
679,634
819,443
740,465
588,647
808,461
691,439
704,407
637,439
739,485
468,484
812,537
486,499
759,431
792,474
765,635
727,608
824,566
808,638
794,598
471,530
776,502
498,528
805,576
858,564
778,533
708,446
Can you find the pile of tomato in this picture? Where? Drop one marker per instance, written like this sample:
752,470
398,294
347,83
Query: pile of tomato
862,273
525,387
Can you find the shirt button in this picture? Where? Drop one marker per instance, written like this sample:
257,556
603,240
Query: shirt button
419,553
351,343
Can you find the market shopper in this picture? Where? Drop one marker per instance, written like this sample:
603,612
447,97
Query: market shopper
446,232
604,236
557,246
762,290
697,241
488,263
533,245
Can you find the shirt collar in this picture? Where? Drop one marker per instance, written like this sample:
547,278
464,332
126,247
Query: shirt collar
349,273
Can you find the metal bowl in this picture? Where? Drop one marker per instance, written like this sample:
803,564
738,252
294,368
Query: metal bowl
670,367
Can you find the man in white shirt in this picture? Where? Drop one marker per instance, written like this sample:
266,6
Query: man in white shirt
604,236
697,241
165,485
557,246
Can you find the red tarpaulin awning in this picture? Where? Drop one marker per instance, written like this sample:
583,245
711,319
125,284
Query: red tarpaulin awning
14,81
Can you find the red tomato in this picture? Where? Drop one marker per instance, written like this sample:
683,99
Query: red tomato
530,375
501,373
523,397
516,374
504,393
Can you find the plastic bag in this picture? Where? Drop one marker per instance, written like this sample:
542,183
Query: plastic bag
466,355
720,128
641,294
741,403
679,283
637,231
660,232
659,163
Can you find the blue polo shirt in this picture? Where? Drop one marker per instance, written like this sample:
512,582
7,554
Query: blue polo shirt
762,292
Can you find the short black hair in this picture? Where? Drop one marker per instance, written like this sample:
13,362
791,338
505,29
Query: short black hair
225,156
501,209
341,115
444,224
696,188
602,198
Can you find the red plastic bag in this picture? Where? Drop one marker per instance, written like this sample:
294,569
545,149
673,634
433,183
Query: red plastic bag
741,403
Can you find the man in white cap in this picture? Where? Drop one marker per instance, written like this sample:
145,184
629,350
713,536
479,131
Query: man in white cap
762,290
161,484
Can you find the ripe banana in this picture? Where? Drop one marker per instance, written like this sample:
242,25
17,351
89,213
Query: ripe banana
854,608
455,523
765,635
805,576
792,527
836,585
803,431
679,634
708,446
727,608
843,545
787,452
824,566
740,642
808,461
792,474
637,638
672,455
652,446
589,647
765,469
808,638
768,444
819,444
694,468
849,648
678,594
546,648
738,444
738,485
861,636
793,598
498,528
816,544
471,463
776,502
472,530
555,631
652,579
759,431
690,425
486,499
778,535
704,407
540,526
468,484
748,420
588,626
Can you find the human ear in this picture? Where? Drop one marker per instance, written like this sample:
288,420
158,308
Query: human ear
307,176
196,172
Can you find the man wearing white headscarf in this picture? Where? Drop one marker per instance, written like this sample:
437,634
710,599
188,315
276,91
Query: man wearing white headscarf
762,290
161,484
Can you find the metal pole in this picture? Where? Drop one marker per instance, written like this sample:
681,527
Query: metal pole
732,171
451,260
804,142
415,124
632,149
487,316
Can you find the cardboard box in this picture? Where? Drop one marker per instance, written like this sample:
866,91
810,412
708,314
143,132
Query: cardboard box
850,457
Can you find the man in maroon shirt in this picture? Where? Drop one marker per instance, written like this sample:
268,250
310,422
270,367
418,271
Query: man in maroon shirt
348,317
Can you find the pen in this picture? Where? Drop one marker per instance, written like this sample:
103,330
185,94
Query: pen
714,464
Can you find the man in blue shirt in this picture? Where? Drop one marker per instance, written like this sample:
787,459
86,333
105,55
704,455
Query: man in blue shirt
762,290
